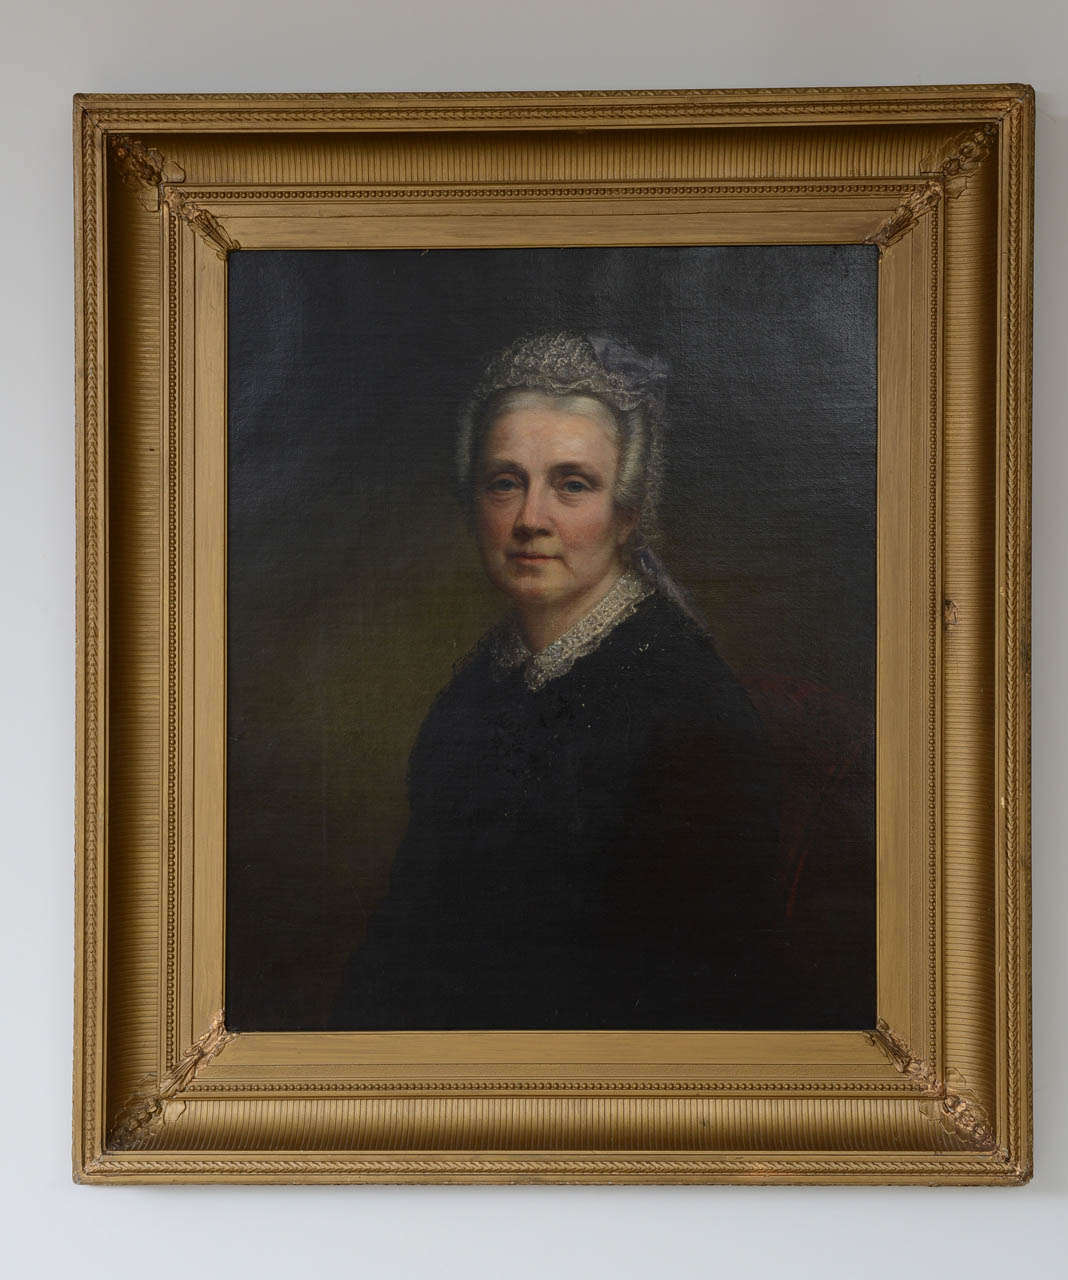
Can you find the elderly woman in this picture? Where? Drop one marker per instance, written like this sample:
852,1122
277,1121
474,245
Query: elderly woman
592,837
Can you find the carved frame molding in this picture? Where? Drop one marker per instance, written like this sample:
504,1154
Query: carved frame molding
166,188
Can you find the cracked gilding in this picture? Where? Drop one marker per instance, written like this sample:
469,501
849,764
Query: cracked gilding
144,1112
201,220
947,178
962,1115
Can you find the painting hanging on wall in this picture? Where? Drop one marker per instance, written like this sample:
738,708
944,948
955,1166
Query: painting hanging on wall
644,797
553,664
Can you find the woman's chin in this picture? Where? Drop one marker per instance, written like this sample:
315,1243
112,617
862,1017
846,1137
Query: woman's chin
531,591
527,588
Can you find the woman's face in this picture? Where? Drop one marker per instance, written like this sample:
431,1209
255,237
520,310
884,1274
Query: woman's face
548,527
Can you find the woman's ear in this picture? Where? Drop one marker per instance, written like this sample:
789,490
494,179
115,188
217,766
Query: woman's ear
626,523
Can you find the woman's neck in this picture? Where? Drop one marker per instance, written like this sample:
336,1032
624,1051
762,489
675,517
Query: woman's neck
541,624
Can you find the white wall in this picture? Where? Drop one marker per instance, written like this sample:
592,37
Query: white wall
51,48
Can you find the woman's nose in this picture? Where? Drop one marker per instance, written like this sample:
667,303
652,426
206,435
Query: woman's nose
532,516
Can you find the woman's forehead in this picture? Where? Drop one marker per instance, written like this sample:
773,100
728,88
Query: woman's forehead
544,432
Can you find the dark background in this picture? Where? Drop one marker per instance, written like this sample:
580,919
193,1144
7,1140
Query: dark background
354,585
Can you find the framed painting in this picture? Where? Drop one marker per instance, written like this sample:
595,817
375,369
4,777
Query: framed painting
553,662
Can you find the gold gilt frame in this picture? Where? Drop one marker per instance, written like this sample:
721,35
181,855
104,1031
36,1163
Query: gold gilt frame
939,1091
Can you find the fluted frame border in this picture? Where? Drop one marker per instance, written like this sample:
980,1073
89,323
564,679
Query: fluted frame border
940,179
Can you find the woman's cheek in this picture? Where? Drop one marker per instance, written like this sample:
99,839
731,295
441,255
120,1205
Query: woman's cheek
493,526
586,529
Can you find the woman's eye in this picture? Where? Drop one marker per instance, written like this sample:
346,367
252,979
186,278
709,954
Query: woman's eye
574,486
503,484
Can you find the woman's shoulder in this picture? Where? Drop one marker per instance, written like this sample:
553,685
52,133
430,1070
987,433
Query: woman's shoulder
471,680
662,640
475,693
670,661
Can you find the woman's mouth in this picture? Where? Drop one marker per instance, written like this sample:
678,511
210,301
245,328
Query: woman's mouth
529,556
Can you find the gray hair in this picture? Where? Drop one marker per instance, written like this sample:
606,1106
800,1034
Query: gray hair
570,370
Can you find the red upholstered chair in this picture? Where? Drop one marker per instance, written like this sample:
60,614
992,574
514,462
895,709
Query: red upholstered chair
823,744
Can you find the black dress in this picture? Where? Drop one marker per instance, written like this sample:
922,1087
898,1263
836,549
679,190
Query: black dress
590,847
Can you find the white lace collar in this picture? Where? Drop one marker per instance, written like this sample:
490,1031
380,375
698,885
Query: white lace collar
510,650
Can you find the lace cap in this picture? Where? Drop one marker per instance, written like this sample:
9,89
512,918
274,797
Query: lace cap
577,364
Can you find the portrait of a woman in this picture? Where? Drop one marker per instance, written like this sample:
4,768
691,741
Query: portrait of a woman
593,830
551,618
